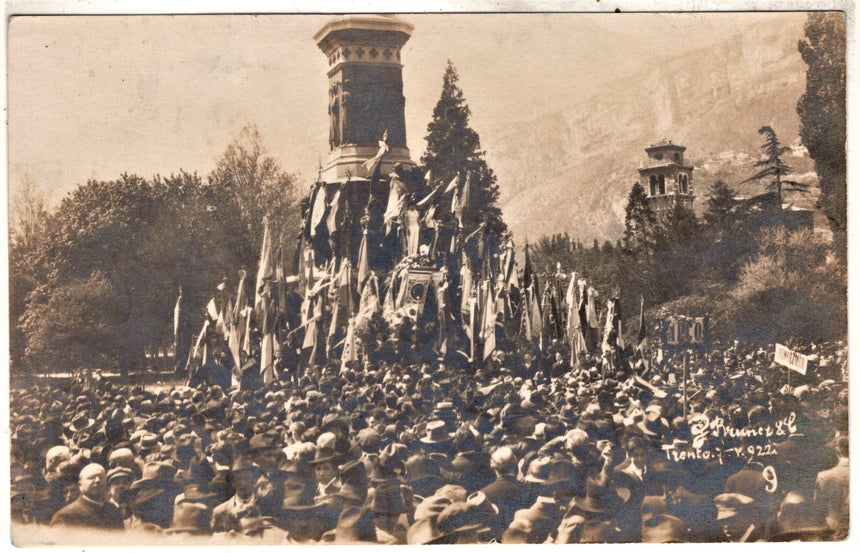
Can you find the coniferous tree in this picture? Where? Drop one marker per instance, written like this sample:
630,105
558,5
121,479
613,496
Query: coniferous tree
822,116
773,167
640,223
720,201
453,148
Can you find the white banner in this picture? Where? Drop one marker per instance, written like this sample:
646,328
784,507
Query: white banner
791,359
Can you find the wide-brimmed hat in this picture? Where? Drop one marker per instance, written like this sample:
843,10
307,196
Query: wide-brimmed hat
81,422
601,496
156,479
387,499
464,516
324,455
244,464
539,469
261,442
731,504
190,518
437,433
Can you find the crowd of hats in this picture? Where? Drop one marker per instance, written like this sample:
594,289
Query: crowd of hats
413,452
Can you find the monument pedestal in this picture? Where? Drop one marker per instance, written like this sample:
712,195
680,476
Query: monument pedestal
348,161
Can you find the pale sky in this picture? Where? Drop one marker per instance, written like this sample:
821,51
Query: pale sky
95,96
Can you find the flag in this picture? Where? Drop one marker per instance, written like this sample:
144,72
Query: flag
641,334
280,289
368,305
532,313
176,311
331,218
236,327
591,308
465,283
642,337
570,301
488,324
350,349
268,342
317,211
437,192
264,269
546,324
528,272
452,185
371,164
443,315
344,306
195,354
473,321
363,263
388,307
396,199
611,337
461,200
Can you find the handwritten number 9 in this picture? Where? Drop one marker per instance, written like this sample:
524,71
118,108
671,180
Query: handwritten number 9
769,474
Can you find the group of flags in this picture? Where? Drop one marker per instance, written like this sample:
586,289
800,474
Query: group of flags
337,301
565,311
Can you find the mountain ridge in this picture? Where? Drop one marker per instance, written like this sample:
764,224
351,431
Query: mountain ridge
571,168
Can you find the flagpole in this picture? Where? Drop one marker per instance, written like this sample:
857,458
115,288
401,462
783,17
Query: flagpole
685,384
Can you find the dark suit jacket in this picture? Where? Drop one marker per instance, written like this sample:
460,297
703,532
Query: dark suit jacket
84,513
509,495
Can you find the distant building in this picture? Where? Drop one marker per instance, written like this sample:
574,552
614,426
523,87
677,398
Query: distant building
666,179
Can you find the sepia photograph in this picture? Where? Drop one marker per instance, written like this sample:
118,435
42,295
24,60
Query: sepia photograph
413,277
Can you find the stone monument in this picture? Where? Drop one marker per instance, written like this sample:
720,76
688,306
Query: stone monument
365,93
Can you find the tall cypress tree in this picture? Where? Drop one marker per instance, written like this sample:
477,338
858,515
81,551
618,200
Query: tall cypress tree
454,147
822,116
640,223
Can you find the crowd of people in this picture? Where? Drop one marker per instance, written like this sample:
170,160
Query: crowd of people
519,450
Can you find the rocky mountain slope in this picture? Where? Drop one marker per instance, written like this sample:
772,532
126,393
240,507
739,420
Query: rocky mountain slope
571,168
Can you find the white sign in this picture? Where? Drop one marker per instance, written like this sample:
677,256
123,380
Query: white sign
791,359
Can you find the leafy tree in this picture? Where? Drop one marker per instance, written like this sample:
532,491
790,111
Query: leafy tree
79,325
773,168
822,116
29,224
453,147
640,223
790,288
249,181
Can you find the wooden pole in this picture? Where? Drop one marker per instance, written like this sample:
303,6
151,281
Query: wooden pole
685,384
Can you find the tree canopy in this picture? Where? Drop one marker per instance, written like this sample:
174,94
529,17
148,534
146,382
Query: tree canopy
103,277
454,148
823,116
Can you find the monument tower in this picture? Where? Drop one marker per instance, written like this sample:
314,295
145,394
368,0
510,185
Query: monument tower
365,91
666,179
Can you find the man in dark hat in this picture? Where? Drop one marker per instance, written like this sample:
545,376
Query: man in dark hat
545,513
119,481
465,522
228,515
190,519
389,513
325,470
151,497
90,509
